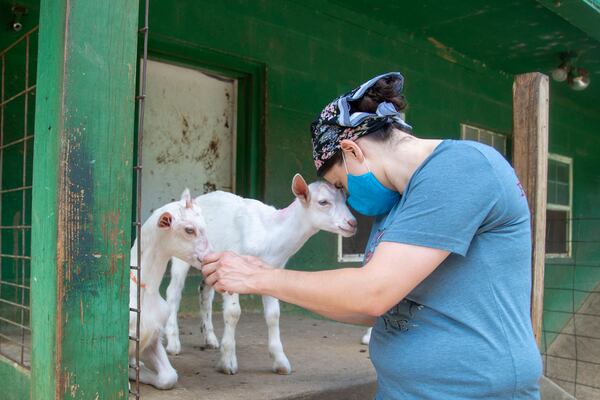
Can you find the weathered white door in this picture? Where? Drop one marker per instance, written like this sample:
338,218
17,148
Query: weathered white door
189,134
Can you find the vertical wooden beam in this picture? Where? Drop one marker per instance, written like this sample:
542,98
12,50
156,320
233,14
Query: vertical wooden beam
530,157
82,185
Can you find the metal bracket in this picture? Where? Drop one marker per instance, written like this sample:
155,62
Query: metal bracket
18,12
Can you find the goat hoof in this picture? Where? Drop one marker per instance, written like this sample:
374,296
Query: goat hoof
211,342
173,347
165,382
282,367
366,338
228,367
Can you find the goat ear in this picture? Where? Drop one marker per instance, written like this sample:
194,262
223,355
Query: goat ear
300,188
186,197
165,221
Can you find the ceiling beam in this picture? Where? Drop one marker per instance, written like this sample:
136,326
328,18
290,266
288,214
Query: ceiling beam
582,14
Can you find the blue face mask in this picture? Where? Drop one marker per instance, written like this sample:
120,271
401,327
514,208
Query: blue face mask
368,196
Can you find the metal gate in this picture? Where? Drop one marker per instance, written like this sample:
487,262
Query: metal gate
571,331
16,162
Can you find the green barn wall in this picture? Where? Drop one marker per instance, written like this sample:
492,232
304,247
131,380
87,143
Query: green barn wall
14,166
575,133
312,54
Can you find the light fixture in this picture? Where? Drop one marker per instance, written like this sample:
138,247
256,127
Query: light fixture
561,73
579,79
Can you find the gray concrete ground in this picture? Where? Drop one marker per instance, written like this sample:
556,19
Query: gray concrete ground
573,359
551,391
327,358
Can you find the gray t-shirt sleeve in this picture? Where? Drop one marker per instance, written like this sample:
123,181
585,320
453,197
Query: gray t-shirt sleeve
447,201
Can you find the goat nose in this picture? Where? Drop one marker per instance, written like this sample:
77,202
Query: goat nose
352,222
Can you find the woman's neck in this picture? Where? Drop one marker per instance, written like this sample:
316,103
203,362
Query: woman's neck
401,161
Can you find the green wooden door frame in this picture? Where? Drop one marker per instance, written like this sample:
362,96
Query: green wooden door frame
251,116
16,380
82,198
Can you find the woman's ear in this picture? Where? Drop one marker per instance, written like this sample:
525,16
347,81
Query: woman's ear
351,150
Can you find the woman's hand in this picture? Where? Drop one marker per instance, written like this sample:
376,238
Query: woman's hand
229,272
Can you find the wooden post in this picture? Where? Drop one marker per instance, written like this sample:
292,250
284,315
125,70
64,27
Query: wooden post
530,158
82,188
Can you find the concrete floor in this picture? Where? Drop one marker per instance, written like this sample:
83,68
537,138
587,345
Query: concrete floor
327,359
573,358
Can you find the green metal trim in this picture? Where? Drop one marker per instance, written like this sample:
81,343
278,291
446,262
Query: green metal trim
251,115
582,14
81,199
15,379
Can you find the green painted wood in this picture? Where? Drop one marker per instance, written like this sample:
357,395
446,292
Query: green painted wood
82,198
16,163
15,380
583,14
28,21
519,36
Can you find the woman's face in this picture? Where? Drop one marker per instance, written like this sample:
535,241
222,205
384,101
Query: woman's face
354,158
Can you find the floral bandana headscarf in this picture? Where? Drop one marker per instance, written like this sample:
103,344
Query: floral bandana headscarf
335,123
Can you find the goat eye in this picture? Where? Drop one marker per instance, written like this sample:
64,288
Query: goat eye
190,231
323,202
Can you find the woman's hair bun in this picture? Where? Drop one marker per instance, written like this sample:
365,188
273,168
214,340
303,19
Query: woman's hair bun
388,89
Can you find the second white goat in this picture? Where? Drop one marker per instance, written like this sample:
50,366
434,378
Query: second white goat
249,227
175,229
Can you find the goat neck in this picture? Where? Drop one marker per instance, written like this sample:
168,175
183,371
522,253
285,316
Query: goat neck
154,259
291,228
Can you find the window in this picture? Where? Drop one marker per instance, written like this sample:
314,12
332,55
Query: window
496,140
559,207
352,249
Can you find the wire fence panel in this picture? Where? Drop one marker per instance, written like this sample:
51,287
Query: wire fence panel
17,105
571,330
136,270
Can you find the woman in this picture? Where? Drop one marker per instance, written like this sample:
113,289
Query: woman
446,280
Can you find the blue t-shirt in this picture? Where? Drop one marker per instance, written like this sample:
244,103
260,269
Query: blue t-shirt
465,331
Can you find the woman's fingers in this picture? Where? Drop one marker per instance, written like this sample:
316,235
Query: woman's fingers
209,269
212,257
229,272
211,279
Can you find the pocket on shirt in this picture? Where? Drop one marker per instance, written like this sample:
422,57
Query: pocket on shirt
401,316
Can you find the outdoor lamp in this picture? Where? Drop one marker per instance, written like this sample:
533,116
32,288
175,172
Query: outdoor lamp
579,79
561,73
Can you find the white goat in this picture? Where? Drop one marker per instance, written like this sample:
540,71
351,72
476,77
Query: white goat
366,337
174,230
250,227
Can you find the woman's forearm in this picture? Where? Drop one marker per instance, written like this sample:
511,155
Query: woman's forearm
343,294
356,319
392,273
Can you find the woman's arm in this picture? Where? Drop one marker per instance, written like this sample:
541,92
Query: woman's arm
351,294
356,319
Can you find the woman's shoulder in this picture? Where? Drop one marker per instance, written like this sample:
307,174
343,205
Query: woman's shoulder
460,158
